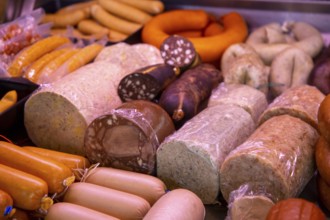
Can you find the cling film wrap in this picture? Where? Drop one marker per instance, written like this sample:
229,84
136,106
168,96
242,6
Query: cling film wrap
247,203
200,147
300,101
250,99
57,114
278,157
128,137
20,33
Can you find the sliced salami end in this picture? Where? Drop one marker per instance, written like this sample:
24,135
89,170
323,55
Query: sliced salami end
128,137
146,83
178,51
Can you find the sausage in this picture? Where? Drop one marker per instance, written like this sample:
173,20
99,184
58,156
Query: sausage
6,205
146,186
113,22
182,98
20,214
8,100
200,146
78,59
291,67
323,118
147,83
179,52
34,52
295,209
308,38
75,162
56,174
322,157
108,201
151,7
33,71
128,136
125,11
64,210
301,101
65,109
76,6
177,204
250,99
66,19
323,190
280,159
89,26
209,48
29,193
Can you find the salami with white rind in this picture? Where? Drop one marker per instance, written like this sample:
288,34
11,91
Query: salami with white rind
301,101
250,99
177,204
277,158
191,157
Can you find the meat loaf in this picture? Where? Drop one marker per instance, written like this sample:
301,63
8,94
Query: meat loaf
277,158
191,157
301,101
244,96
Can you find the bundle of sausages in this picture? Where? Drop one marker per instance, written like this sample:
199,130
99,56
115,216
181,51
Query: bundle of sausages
276,162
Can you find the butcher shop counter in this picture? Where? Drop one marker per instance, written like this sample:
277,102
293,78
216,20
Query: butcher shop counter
256,13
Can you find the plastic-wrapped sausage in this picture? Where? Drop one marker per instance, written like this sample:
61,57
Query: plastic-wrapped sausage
301,101
200,146
182,98
277,159
247,97
128,137
146,83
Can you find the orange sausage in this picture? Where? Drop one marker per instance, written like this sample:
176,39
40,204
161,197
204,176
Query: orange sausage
209,48
67,211
28,191
109,201
73,161
213,28
188,34
33,72
148,187
20,214
6,205
56,174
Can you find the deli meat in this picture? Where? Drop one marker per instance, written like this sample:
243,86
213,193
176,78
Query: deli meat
57,115
301,101
247,97
278,158
191,157
128,137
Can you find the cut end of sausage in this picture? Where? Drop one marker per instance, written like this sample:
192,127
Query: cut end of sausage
137,86
199,175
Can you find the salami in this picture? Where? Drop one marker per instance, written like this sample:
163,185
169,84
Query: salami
182,99
128,137
300,101
179,52
199,147
146,83
277,159
252,100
